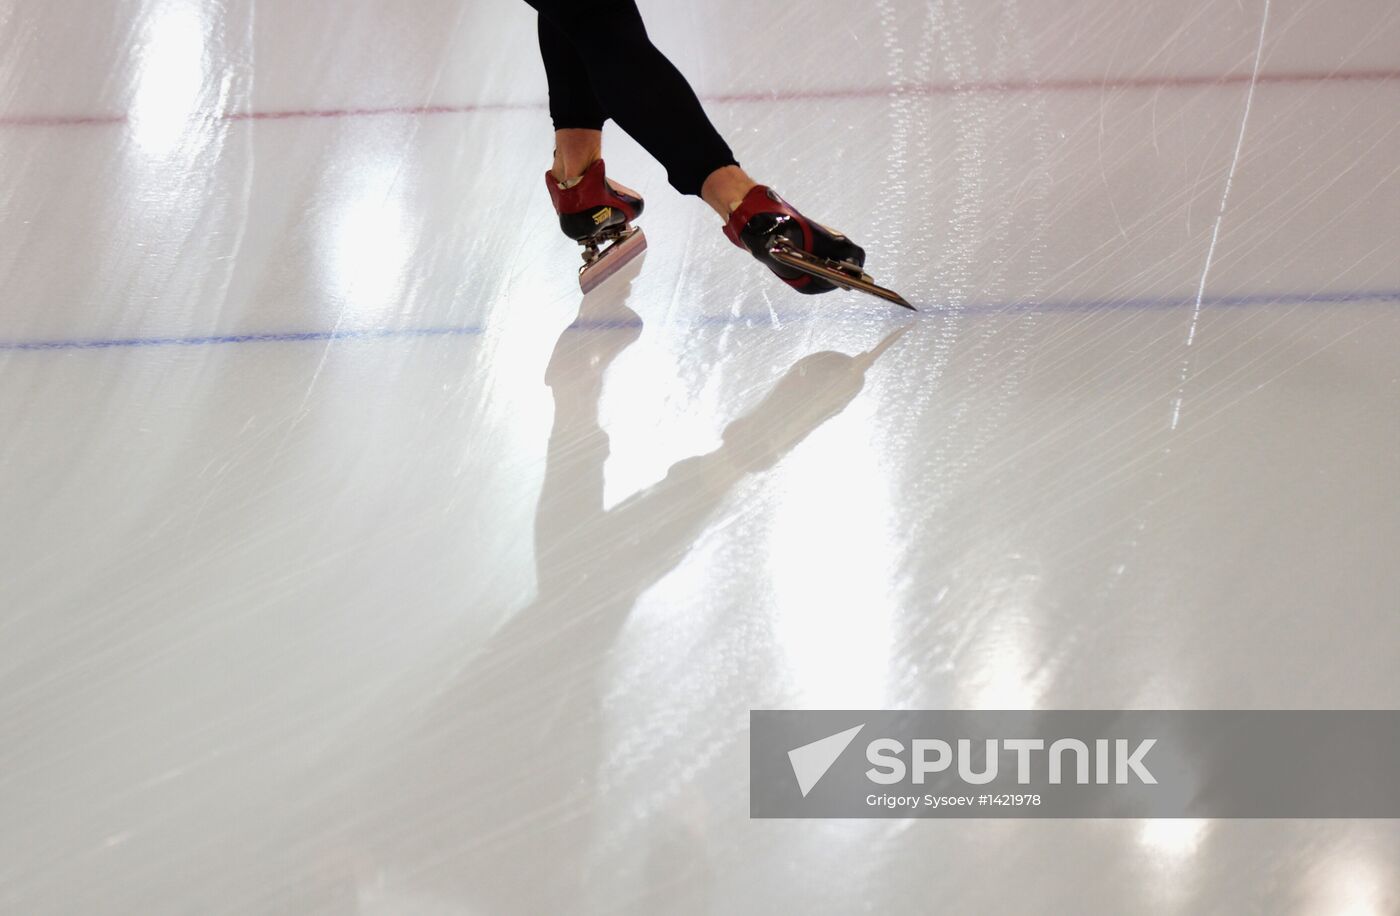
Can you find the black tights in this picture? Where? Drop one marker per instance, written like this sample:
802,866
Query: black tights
600,64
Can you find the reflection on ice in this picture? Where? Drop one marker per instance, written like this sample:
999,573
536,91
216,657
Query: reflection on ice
1353,884
174,64
367,243
1001,668
1171,842
831,552
1001,678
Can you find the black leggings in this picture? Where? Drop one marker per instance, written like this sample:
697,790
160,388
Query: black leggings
600,64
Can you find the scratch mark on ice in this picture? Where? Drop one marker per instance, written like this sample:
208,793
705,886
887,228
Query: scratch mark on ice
1220,215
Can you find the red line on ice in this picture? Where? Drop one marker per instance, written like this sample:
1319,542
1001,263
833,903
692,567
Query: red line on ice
61,120
802,95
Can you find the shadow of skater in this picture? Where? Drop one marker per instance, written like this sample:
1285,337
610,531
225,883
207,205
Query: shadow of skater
496,793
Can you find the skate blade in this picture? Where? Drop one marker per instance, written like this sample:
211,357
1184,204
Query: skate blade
613,258
846,276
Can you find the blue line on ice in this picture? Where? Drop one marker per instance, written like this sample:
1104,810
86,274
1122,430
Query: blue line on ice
1082,305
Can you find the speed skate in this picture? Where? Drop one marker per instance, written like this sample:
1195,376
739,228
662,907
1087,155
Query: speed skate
809,257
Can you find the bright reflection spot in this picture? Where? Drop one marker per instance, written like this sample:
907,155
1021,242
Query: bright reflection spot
367,244
173,68
1355,887
1000,668
1170,850
831,554
1169,841
651,418
1002,679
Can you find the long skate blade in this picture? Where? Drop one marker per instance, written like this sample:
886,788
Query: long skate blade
846,278
615,257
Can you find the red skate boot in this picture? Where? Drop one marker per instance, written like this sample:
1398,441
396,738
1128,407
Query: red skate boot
594,213
805,255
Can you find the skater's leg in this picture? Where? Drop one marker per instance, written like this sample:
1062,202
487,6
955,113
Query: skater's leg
615,64
640,89
577,114
593,210
574,151
572,102
578,120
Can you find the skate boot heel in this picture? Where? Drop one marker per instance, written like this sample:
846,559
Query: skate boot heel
599,217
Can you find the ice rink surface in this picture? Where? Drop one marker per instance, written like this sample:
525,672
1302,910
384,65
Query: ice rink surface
354,563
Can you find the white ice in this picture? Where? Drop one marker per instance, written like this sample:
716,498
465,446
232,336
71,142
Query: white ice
351,562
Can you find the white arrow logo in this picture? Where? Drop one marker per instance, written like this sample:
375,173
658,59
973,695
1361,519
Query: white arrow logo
811,761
